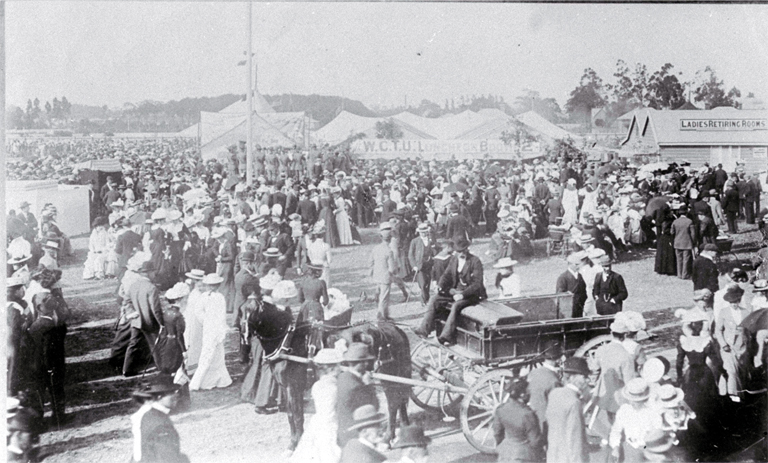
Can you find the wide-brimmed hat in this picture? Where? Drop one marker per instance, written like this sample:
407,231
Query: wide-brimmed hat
178,291
695,315
760,285
317,267
285,289
196,274
423,227
505,262
212,279
733,294
654,369
411,436
605,259
385,226
13,281
160,386
272,252
269,281
636,390
218,233
576,365
460,244
365,417
247,256
358,352
159,214
619,325
173,215
328,357
669,396
17,259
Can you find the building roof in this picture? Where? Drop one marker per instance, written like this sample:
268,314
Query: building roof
666,127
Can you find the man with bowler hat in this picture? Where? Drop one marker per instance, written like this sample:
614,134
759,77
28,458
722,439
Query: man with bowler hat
414,444
155,439
354,389
566,436
460,286
366,424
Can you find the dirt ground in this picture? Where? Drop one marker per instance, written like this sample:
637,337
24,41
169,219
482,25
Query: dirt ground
221,428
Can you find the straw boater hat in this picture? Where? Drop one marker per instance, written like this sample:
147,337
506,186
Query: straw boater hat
619,325
212,279
669,396
315,267
159,214
178,291
174,215
366,417
505,262
14,281
636,390
269,281
760,285
196,274
272,252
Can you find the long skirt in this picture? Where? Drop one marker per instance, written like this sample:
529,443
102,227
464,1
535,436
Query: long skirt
666,262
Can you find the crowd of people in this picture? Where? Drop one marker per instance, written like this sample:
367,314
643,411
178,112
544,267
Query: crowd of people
196,251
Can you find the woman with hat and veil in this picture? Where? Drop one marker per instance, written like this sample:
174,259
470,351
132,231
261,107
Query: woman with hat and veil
318,443
212,370
516,427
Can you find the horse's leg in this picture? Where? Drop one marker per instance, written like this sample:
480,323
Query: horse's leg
296,376
392,406
404,409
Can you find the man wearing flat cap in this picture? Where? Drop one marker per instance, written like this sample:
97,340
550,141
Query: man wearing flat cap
354,389
460,286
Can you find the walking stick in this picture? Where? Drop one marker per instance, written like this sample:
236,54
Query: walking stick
53,399
151,353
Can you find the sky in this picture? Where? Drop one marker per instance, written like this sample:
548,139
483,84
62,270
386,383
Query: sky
115,52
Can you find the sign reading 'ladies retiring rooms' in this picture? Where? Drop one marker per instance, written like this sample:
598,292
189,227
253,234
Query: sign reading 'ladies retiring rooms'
710,125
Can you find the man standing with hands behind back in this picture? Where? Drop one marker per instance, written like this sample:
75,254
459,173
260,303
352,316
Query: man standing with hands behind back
571,281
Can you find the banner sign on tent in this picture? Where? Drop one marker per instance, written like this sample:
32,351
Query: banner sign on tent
431,149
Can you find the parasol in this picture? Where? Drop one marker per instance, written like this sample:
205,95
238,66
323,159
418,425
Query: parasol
194,194
656,203
756,321
657,166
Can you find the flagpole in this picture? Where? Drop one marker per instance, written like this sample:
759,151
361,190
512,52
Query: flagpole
249,99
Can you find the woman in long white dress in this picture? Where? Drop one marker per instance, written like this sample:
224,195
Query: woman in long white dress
319,252
318,443
193,318
570,203
98,247
342,219
211,369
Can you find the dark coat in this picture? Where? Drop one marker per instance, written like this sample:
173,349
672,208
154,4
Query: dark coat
308,211
420,256
243,280
313,289
439,265
458,226
145,298
704,274
566,282
566,438
730,201
604,291
357,452
469,281
721,177
517,431
160,442
351,394
541,382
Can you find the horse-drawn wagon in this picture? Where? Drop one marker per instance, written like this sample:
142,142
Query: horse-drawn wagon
496,340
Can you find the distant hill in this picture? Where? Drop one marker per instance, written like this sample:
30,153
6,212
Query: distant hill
322,108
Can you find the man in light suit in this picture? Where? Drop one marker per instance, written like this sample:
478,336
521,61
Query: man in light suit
571,281
460,286
566,436
353,390
382,263
145,299
685,242
420,255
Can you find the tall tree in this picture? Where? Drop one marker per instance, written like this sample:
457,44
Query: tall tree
711,90
587,95
388,130
66,106
48,107
665,91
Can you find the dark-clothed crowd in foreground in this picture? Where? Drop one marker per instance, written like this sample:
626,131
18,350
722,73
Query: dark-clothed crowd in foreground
194,248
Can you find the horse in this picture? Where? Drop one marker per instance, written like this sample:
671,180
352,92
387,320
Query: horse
392,349
277,333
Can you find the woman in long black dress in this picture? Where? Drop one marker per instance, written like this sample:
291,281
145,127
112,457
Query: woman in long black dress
327,215
666,263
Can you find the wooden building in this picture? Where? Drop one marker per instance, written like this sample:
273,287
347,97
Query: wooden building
724,136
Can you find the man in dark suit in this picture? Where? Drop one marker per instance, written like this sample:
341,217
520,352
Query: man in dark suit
571,281
721,177
157,439
387,208
245,280
751,196
278,197
460,286
366,426
353,389
420,254
730,204
609,290
27,217
145,299
291,197
542,380
306,209
284,244
458,226
127,243
705,271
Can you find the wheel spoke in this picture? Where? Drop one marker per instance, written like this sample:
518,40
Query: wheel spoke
487,432
479,415
483,424
501,389
429,396
432,357
493,394
482,403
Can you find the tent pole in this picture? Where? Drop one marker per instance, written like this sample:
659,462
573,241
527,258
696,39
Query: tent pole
249,98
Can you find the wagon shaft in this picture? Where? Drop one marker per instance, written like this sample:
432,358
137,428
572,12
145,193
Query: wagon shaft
445,387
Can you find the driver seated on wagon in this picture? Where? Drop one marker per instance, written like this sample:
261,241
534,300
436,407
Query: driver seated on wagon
460,286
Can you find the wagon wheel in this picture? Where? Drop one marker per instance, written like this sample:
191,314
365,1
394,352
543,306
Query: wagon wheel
478,407
587,350
426,354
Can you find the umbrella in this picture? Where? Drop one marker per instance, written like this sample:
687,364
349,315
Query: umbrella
607,169
493,169
657,166
756,321
454,187
656,203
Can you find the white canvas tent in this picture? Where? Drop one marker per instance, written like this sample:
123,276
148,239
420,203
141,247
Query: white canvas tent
264,134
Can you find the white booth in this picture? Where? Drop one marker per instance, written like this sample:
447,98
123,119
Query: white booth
71,201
